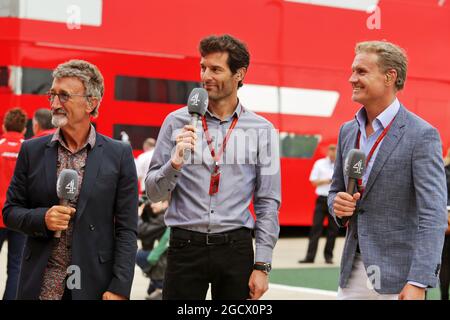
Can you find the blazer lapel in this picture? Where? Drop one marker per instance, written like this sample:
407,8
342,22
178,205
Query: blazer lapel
388,145
93,162
50,158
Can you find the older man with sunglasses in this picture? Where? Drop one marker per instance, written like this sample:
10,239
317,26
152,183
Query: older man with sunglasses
94,256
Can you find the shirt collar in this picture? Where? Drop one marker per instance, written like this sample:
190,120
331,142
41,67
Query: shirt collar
237,112
382,120
57,136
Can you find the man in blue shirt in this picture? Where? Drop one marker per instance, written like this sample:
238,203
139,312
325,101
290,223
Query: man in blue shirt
209,216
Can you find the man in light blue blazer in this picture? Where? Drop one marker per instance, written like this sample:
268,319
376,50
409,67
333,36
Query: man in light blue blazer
398,214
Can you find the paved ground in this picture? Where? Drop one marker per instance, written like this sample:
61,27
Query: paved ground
287,253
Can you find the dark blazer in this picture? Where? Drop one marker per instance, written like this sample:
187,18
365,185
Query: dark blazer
104,236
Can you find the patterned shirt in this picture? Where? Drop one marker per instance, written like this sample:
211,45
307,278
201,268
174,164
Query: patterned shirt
55,274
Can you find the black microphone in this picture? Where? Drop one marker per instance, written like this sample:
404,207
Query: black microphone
197,104
354,168
66,189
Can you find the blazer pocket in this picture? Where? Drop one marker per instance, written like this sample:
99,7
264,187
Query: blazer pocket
106,183
396,163
107,177
105,256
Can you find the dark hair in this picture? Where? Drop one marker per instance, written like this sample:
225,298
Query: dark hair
15,120
238,55
44,118
149,142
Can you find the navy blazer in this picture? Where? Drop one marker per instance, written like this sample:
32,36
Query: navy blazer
105,228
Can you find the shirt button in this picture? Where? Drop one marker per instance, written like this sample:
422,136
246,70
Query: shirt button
212,211
92,227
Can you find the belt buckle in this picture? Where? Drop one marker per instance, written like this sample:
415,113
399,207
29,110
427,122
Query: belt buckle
210,237
207,240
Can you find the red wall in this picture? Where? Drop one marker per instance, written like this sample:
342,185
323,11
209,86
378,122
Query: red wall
292,45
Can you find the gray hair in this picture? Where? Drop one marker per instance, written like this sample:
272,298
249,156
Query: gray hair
88,74
390,56
44,118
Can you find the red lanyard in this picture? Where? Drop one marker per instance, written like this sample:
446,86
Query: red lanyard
215,176
372,151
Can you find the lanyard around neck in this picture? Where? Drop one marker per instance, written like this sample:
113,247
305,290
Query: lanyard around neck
372,150
375,146
217,156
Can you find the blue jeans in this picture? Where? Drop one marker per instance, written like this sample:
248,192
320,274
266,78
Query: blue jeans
16,243
141,261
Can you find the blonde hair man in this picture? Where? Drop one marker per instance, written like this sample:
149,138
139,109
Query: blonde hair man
398,214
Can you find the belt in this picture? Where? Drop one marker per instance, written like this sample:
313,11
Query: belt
208,239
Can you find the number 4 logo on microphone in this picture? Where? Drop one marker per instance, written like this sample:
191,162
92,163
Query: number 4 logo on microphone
70,187
358,167
195,99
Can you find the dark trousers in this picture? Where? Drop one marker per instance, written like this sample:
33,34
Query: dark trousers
67,295
320,213
16,243
194,261
444,276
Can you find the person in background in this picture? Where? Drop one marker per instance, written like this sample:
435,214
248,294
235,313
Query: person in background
42,123
143,161
14,127
154,236
320,177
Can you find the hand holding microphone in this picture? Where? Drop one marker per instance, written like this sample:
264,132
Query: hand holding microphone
345,202
57,217
197,104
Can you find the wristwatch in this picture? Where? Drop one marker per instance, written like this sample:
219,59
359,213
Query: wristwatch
264,267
